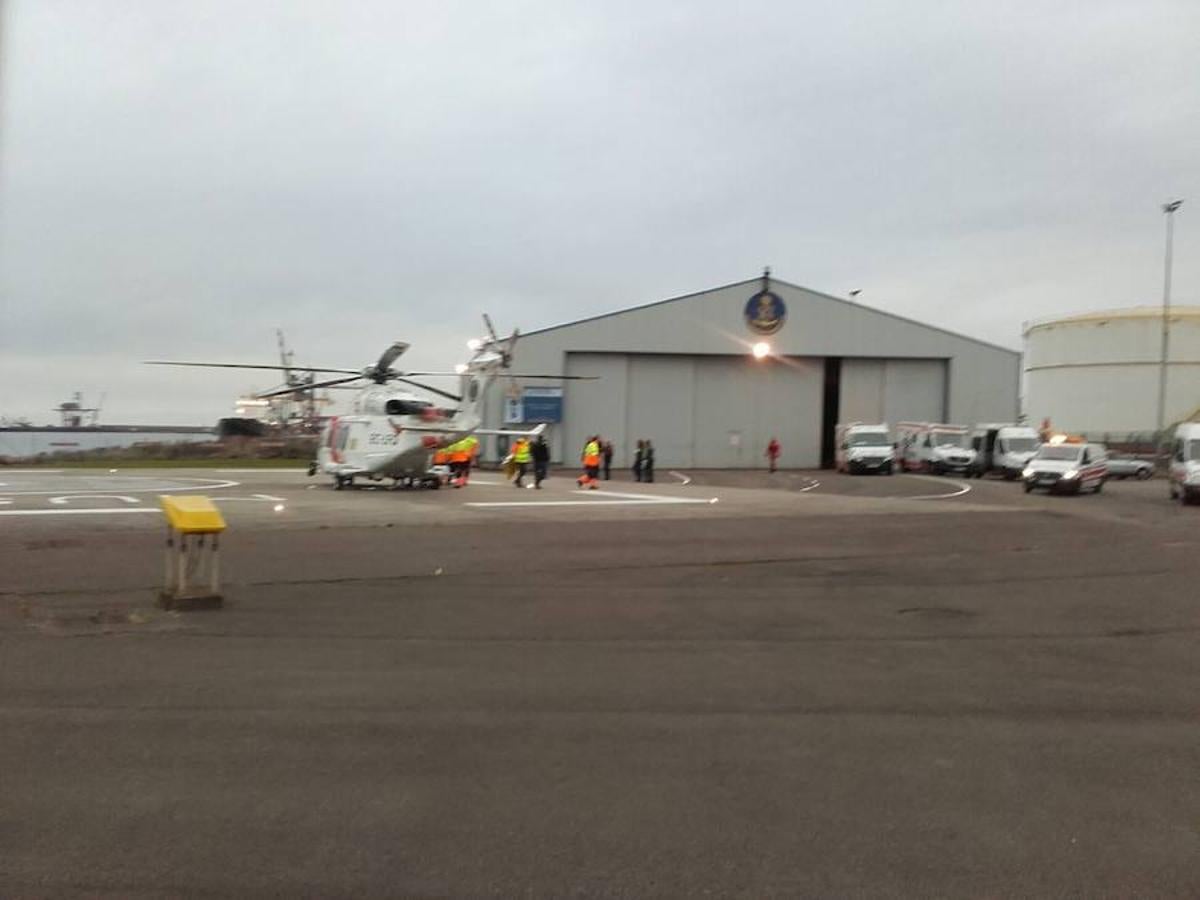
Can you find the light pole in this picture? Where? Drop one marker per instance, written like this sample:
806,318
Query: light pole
1169,209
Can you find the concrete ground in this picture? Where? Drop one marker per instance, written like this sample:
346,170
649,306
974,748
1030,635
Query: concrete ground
749,685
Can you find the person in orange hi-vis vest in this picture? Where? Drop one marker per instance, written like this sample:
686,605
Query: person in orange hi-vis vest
591,464
441,457
459,454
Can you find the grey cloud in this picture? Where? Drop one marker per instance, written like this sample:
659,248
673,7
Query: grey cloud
182,178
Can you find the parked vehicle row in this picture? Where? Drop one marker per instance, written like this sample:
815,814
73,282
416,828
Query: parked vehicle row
1061,465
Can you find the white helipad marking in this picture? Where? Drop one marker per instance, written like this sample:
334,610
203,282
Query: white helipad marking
4,501
76,512
807,488
208,484
683,479
963,488
579,503
265,470
67,498
268,497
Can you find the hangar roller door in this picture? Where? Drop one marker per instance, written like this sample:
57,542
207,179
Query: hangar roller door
704,411
893,390
592,407
742,403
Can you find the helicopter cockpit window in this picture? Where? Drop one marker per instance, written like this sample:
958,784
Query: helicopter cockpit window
406,407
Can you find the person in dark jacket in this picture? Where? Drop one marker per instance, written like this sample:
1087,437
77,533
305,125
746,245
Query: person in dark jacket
638,455
606,453
541,461
647,461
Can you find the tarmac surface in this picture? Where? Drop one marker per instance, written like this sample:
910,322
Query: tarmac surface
734,684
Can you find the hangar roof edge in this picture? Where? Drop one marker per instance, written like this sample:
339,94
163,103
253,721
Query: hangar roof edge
758,280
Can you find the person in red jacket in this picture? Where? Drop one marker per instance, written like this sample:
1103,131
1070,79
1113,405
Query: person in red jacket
772,454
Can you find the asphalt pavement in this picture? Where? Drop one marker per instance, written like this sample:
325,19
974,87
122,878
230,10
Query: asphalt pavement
741,685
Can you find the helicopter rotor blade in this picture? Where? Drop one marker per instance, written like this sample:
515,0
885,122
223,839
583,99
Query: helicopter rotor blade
432,390
216,365
556,377
390,355
280,392
491,330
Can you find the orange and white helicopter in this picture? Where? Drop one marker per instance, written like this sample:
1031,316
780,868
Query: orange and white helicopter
392,432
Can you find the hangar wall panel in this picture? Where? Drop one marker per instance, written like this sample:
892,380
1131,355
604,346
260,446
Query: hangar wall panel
592,407
893,390
862,390
741,404
914,390
661,399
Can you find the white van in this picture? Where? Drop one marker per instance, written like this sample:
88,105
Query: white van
1067,467
864,448
1183,475
934,447
1003,448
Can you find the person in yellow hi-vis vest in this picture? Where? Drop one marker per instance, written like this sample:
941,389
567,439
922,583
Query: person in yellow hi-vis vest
591,464
522,456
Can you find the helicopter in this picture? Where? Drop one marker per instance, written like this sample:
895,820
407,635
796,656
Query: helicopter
394,432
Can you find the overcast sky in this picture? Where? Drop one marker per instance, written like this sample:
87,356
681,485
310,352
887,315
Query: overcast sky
180,178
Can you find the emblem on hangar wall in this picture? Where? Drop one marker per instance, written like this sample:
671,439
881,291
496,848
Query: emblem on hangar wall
765,312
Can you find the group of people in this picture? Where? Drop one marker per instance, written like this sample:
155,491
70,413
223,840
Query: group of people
458,457
597,457
643,461
526,453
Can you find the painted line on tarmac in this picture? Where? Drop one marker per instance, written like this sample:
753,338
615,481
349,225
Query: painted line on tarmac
962,489
596,502
683,479
811,487
77,512
642,498
37,471
268,497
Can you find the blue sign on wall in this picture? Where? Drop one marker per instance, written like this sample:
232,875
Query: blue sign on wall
542,404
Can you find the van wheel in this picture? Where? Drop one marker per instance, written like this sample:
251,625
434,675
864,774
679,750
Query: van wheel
1028,488
1099,486
1145,473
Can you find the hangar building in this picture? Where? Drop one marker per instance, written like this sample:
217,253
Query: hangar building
681,373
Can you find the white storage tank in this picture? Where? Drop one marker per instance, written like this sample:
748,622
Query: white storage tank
1098,373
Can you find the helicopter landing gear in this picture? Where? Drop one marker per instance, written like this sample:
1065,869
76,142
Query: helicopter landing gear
340,482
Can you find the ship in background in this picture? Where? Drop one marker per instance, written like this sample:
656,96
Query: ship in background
297,413
79,430
268,421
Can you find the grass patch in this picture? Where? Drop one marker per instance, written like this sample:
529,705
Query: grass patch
208,463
